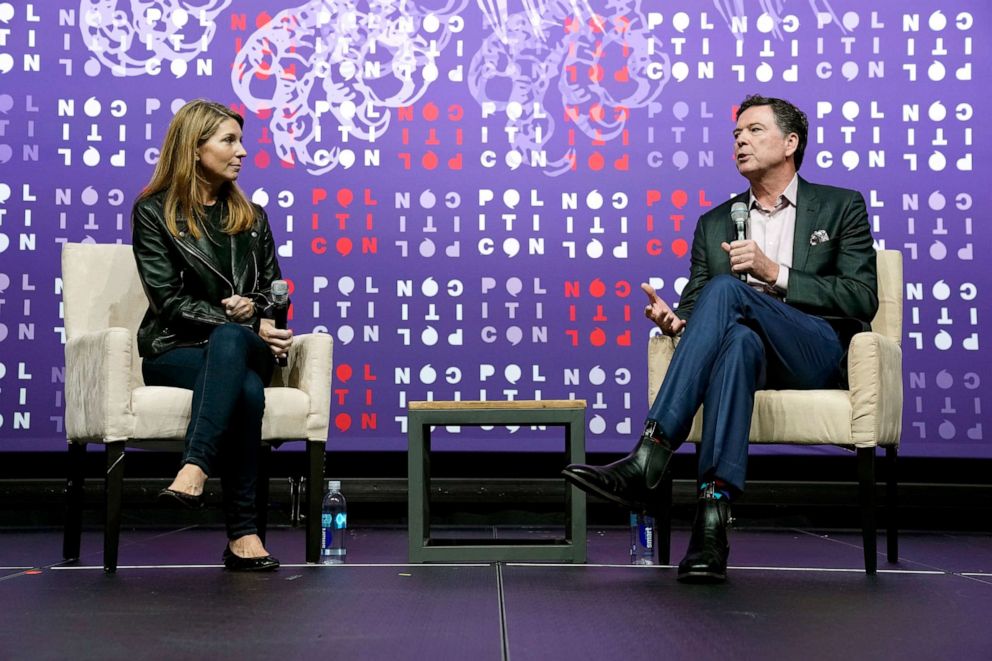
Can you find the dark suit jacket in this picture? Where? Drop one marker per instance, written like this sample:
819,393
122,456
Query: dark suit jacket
834,279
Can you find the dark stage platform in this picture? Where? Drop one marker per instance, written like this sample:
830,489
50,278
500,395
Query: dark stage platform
791,594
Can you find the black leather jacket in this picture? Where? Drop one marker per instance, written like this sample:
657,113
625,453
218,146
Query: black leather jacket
184,283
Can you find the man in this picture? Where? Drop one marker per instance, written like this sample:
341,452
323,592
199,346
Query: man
774,310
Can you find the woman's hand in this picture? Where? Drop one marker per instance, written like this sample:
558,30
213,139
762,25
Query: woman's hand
238,308
278,339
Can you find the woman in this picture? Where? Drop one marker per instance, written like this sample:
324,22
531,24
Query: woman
207,260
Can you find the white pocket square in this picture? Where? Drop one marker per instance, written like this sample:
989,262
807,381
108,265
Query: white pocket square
818,237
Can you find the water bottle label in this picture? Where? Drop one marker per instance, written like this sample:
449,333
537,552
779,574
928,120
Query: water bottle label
326,520
646,533
341,520
328,537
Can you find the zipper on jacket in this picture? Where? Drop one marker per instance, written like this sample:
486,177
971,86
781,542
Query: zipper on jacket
234,270
208,264
254,262
207,320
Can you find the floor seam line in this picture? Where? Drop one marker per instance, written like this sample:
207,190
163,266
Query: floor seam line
504,637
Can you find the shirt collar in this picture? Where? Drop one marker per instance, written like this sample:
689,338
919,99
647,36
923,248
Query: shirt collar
788,196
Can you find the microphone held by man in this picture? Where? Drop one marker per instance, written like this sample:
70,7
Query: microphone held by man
739,214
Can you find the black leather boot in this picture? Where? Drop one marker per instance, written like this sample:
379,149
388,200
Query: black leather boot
632,482
705,560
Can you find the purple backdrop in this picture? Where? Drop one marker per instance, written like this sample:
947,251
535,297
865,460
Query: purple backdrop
467,196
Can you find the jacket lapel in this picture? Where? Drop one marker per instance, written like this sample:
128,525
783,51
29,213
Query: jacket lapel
243,248
807,209
201,247
202,250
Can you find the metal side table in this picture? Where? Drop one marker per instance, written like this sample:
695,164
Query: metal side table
421,415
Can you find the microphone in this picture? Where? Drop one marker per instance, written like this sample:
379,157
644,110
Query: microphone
280,299
739,213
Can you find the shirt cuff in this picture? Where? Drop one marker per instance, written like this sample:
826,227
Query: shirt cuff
782,281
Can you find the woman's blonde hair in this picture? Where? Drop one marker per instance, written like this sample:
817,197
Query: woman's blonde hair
178,172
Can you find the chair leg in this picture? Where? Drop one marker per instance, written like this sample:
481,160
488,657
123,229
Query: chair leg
262,490
114,491
314,488
663,523
76,474
295,494
891,505
866,482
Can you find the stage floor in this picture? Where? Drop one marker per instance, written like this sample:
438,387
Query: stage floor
791,594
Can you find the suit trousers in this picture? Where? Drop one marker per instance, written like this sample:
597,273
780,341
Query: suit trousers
737,341
228,376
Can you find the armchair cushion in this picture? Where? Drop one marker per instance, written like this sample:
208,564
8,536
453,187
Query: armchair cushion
162,413
804,417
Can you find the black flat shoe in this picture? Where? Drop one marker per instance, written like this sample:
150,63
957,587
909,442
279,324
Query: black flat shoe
187,500
234,562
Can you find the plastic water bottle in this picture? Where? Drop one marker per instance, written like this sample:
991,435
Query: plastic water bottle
333,524
641,539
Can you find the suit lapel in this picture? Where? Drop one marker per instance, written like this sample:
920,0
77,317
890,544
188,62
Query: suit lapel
807,208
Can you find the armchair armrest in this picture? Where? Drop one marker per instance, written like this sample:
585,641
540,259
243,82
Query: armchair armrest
98,386
309,368
661,348
874,368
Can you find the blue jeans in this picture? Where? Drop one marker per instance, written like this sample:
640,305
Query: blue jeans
737,341
228,376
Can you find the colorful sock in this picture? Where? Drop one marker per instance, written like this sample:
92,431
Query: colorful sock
716,489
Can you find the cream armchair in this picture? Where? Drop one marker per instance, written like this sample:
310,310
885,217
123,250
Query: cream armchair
866,416
108,404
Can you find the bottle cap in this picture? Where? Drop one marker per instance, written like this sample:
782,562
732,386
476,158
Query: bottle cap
334,485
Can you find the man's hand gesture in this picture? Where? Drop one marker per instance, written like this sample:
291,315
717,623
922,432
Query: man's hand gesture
658,311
